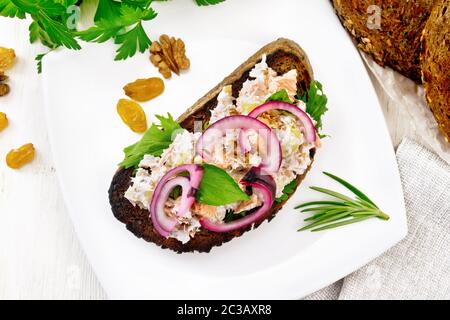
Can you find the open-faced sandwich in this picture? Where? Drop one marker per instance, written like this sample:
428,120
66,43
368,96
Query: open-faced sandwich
230,162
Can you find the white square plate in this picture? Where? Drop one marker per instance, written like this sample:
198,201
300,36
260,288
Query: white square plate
274,261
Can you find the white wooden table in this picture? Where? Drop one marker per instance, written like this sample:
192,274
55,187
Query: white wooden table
40,256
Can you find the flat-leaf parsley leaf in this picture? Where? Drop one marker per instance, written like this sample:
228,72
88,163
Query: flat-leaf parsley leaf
54,23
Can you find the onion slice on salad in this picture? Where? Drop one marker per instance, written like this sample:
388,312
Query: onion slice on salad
161,221
272,156
266,186
302,116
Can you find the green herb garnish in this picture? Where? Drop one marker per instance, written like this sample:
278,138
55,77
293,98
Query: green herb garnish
154,142
218,188
49,20
124,25
287,191
176,193
38,59
208,2
316,102
231,216
281,96
340,211
54,23
202,2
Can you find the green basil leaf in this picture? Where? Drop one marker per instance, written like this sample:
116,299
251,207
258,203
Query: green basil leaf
218,188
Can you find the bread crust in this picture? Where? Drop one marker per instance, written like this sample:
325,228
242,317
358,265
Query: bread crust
435,60
396,43
282,55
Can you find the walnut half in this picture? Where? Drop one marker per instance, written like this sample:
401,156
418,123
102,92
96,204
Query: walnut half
169,55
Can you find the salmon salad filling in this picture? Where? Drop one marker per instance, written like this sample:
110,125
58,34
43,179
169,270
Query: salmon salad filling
294,145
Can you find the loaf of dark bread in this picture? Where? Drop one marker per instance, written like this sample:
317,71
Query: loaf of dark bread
395,42
436,64
282,55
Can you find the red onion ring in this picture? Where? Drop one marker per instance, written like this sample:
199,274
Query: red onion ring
305,120
161,222
166,224
243,141
268,196
272,159
256,174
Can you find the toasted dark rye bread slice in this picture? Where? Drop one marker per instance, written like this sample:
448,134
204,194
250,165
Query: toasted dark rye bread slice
397,43
282,55
436,64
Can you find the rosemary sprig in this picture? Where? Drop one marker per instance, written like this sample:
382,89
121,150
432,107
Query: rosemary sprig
340,211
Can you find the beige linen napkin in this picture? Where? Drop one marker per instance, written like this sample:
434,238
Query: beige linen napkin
409,99
419,266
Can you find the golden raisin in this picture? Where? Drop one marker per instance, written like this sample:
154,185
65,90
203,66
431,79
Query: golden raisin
17,158
144,89
3,76
3,121
7,57
4,89
133,115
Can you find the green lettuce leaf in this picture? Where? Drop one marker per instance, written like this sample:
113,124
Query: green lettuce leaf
288,190
154,142
316,102
281,96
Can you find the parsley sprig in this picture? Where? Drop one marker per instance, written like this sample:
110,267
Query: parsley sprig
208,2
341,210
124,26
49,20
54,23
204,2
